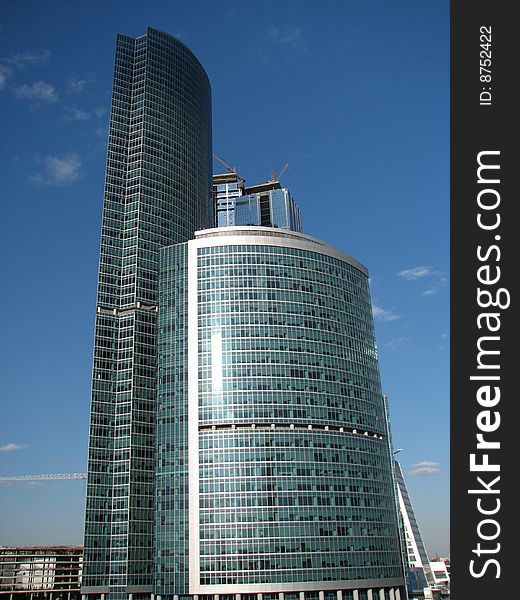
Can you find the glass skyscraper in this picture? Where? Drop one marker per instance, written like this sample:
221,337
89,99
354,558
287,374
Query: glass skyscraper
269,208
265,204
227,189
157,193
274,471
239,446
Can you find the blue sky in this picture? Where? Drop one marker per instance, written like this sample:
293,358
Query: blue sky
353,94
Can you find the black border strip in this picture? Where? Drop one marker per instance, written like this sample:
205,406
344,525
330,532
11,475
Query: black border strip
483,123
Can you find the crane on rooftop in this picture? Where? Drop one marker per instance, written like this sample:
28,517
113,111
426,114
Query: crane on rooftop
275,177
230,169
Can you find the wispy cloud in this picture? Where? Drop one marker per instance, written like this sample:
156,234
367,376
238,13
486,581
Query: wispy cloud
8,65
431,291
287,42
76,86
29,59
75,114
37,92
26,485
397,343
12,447
31,485
72,113
100,112
58,170
383,314
425,467
416,273
5,73
291,37
444,344
425,273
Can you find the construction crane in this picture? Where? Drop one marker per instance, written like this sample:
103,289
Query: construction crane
53,476
277,178
230,169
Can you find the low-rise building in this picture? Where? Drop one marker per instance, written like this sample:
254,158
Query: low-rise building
46,572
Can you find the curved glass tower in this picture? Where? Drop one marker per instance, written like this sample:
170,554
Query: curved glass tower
274,471
157,193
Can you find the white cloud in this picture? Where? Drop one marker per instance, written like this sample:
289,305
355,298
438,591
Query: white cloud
5,73
287,42
291,37
416,273
397,343
37,92
425,272
31,485
425,467
24,59
75,114
59,170
19,61
431,291
12,447
100,112
75,86
383,314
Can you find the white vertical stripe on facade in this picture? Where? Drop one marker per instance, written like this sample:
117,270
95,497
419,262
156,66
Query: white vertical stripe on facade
193,421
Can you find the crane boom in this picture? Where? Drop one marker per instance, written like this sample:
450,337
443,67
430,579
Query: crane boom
48,477
275,177
224,163
232,170
282,171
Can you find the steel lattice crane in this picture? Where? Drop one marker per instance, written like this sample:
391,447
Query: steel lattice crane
48,477
230,169
275,177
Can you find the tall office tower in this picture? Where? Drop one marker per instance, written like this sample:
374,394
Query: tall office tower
274,473
419,573
265,204
157,192
227,188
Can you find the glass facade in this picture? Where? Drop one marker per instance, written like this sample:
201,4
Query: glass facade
157,193
172,494
227,189
273,450
274,208
239,206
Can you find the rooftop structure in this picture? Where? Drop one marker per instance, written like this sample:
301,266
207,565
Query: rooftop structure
264,204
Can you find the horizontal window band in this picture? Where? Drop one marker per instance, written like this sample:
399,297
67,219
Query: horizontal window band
290,426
